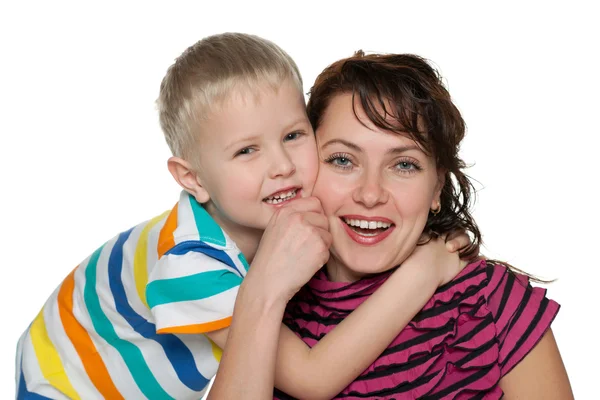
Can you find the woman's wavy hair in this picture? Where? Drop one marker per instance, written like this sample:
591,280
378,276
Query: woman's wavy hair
403,93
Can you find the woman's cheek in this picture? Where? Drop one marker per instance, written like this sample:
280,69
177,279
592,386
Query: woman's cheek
330,189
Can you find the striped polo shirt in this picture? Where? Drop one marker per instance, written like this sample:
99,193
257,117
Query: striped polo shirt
470,334
128,322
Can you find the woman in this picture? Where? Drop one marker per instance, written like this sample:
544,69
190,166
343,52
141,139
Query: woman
388,137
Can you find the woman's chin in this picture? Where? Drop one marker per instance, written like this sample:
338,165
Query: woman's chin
355,268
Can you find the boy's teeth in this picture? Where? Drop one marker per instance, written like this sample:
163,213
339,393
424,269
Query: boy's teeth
281,197
360,223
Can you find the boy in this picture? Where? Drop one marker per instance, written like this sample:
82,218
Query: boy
140,317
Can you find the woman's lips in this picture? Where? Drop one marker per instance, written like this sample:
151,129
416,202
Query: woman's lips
368,240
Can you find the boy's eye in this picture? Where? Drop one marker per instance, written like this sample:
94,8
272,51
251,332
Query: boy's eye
245,150
291,136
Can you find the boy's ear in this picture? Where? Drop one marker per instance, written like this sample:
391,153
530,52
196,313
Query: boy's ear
187,178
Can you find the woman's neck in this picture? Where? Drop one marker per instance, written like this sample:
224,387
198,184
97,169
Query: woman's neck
337,271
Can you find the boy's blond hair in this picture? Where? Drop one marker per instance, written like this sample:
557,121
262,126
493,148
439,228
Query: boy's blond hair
209,71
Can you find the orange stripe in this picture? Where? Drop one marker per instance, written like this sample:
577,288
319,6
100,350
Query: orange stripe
166,241
92,362
198,328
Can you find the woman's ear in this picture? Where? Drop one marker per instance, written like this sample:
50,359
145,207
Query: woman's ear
441,181
187,178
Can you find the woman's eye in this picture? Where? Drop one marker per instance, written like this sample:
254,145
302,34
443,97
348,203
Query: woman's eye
407,166
341,161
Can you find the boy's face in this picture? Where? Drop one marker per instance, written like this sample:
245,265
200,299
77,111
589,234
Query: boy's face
257,152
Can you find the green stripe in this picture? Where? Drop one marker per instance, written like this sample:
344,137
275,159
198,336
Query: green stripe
193,287
131,354
243,261
210,231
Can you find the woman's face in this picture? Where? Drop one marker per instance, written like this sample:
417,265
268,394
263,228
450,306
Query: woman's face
376,188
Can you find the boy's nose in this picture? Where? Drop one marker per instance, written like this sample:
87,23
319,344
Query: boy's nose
282,166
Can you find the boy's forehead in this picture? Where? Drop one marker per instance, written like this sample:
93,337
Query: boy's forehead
250,113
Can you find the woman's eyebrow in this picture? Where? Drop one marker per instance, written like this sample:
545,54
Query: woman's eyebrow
345,143
402,149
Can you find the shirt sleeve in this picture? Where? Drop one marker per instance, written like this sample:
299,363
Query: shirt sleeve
194,290
522,314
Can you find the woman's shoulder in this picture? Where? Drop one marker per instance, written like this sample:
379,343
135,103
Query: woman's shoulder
487,278
503,301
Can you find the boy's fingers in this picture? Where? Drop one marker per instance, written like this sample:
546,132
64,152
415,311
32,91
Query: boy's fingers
458,242
317,220
306,204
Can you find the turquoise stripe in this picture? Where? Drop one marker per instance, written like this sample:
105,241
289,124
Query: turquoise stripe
131,354
210,231
193,287
243,261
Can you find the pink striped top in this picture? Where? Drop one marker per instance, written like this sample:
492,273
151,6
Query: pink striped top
470,334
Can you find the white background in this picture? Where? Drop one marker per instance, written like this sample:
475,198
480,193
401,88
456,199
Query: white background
82,156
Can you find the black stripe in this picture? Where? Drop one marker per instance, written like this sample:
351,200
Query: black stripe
455,282
536,319
278,394
401,388
445,307
460,384
448,327
484,323
314,317
303,332
520,309
390,369
491,269
383,277
477,352
507,291
479,396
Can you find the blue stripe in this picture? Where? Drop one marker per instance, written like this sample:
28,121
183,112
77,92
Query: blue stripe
24,394
132,355
201,247
177,352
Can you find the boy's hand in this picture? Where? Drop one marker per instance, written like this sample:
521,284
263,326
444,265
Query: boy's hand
457,241
434,257
294,246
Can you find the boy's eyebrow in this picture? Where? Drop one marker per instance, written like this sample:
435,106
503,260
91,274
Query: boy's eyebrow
244,139
298,121
256,137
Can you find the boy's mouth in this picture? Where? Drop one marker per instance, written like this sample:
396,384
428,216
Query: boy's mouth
282,196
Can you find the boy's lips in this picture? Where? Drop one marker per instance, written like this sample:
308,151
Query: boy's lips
282,196
367,230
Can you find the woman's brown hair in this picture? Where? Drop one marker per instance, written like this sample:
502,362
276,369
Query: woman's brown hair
402,93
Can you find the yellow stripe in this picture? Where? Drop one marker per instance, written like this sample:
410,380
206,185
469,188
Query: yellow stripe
216,350
48,358
140,259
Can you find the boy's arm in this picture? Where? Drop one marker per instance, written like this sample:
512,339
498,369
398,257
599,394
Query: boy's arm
341,356
251,347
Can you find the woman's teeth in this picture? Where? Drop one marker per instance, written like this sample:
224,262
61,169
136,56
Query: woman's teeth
281,197
361,223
